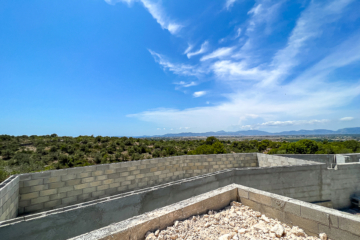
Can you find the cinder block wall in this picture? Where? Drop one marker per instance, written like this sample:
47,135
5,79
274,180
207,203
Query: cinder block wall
340,183
329,159
9,198
266,160
60,188
299,182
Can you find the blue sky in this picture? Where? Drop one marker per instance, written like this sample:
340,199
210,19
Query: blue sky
146,67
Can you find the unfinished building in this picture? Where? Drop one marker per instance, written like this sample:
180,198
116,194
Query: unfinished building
125,200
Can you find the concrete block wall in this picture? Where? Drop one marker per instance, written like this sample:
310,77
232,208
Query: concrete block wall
60,188
340,183
348,158
299,182
329,159
9,198
266,160
312,218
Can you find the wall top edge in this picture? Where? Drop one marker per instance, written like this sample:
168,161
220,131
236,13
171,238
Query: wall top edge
139,162
8,181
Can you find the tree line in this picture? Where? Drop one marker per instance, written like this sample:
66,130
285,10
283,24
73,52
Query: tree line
22,154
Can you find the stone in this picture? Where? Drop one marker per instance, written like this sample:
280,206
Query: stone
323,236
278,230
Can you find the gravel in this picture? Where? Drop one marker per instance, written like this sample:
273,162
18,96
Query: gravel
234,222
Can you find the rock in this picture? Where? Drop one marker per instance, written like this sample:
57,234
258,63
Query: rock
157,233
297,232
261,227
150,236
224,237
278,230
323,236
263,217
176,223
237,204
258,214
242,231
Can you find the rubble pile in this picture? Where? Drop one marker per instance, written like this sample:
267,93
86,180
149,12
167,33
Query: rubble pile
237,222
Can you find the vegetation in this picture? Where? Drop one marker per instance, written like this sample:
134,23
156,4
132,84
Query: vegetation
21,154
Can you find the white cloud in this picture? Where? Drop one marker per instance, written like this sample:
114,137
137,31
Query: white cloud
112,2
184,84
229,4
156,12
180,69
285,123
310,94
202,49
230,70
221,52
346,119
199,93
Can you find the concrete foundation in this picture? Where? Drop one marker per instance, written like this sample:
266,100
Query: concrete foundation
70,202
312,218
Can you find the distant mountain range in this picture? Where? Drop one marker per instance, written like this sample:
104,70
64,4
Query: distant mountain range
263,133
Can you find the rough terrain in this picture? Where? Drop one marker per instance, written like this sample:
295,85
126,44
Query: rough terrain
237,222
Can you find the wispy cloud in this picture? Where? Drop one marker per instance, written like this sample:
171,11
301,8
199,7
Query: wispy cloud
186,84
286,123
202,49
264,90
199,93
157,12
112,2
180,69
229,4
346,119
218,53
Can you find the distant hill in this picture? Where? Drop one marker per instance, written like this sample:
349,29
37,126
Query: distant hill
263,133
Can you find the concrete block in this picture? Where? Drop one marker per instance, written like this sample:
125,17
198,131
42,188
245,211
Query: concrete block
89,190
56,185
52,180
48,192
98,193
113,175
29,196
100,178
335,233
52,204
40,175
97,173
56,173
260,198
72,182
81,186
66,189
315,213
58,196
68,200
34,208
33,182
40,200
68,177
74,193
102,187
83,175
309,226
95,184
87,180
350,223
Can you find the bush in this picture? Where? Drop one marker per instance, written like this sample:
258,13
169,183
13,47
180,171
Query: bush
3,175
